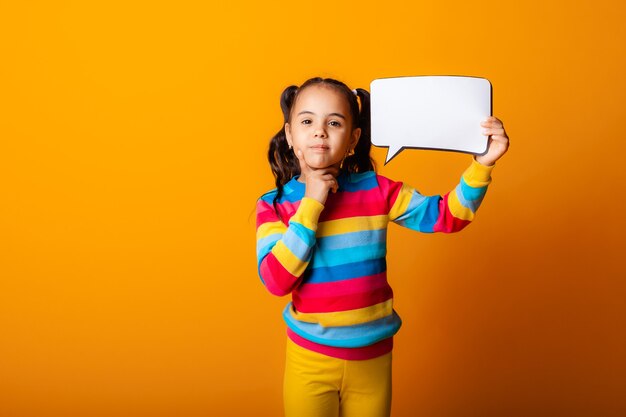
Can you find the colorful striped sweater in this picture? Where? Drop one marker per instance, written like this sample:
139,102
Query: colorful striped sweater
331,257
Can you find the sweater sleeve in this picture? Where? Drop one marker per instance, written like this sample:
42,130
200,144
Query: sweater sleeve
448,213
283,252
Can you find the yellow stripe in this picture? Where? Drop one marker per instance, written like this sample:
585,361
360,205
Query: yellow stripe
457,209
348,317
308,213
270,228
401,203
478,175
287,259
352,224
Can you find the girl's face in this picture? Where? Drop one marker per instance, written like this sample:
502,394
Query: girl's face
321,127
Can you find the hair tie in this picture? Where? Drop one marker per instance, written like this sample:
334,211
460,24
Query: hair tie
358,99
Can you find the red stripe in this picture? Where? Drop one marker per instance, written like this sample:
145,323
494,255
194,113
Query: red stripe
345,287
353,354
341,302
351,204
288,209
389,188
265,217
265,212
277,279
446,222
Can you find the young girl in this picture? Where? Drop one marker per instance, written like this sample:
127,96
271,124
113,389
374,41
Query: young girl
321,237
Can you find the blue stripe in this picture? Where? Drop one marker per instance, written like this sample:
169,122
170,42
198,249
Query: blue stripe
291,197
472,193
293,191
268,197
303,232
427,224
288,195
470,204
352,239
414,210
345,336
359,182
296,245
358,177
421,215
349,255
267,243
416,200
346,271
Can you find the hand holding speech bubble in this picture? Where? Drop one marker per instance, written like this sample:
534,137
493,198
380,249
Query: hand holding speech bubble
430,112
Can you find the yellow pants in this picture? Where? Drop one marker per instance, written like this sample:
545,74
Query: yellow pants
317,385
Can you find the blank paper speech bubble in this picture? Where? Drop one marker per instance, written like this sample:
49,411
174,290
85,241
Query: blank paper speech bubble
430,112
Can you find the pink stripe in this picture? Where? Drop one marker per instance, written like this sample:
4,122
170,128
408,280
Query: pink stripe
446,222
341,302
277,279
345,287
352,354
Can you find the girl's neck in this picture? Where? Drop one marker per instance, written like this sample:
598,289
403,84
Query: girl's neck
302,177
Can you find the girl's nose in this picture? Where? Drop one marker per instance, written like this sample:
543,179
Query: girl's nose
320,132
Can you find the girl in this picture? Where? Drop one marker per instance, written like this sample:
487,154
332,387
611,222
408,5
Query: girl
321,236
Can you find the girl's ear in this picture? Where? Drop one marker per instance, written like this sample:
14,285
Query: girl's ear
288,134
356,134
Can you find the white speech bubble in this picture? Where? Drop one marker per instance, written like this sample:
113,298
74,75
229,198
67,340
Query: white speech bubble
430,112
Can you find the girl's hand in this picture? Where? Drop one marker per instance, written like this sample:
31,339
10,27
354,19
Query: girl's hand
319,182
498,141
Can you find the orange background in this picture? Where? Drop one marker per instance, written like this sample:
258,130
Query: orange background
132,151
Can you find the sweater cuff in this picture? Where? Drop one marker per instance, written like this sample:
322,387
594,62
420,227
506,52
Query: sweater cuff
478,175
308,213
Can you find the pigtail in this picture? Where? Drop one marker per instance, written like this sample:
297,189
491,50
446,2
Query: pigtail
283,161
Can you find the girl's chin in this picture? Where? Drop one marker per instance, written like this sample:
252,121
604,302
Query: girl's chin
316,163
322,165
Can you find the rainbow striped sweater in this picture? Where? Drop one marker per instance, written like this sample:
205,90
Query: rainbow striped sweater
331,257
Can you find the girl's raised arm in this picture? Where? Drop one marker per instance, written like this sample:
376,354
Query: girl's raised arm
456,209
448,213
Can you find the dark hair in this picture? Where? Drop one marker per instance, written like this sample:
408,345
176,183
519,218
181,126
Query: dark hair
284,162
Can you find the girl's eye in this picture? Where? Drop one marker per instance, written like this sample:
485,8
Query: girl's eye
306,122
334,123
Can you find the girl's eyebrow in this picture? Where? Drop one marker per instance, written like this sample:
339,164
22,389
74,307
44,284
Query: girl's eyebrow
329,114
